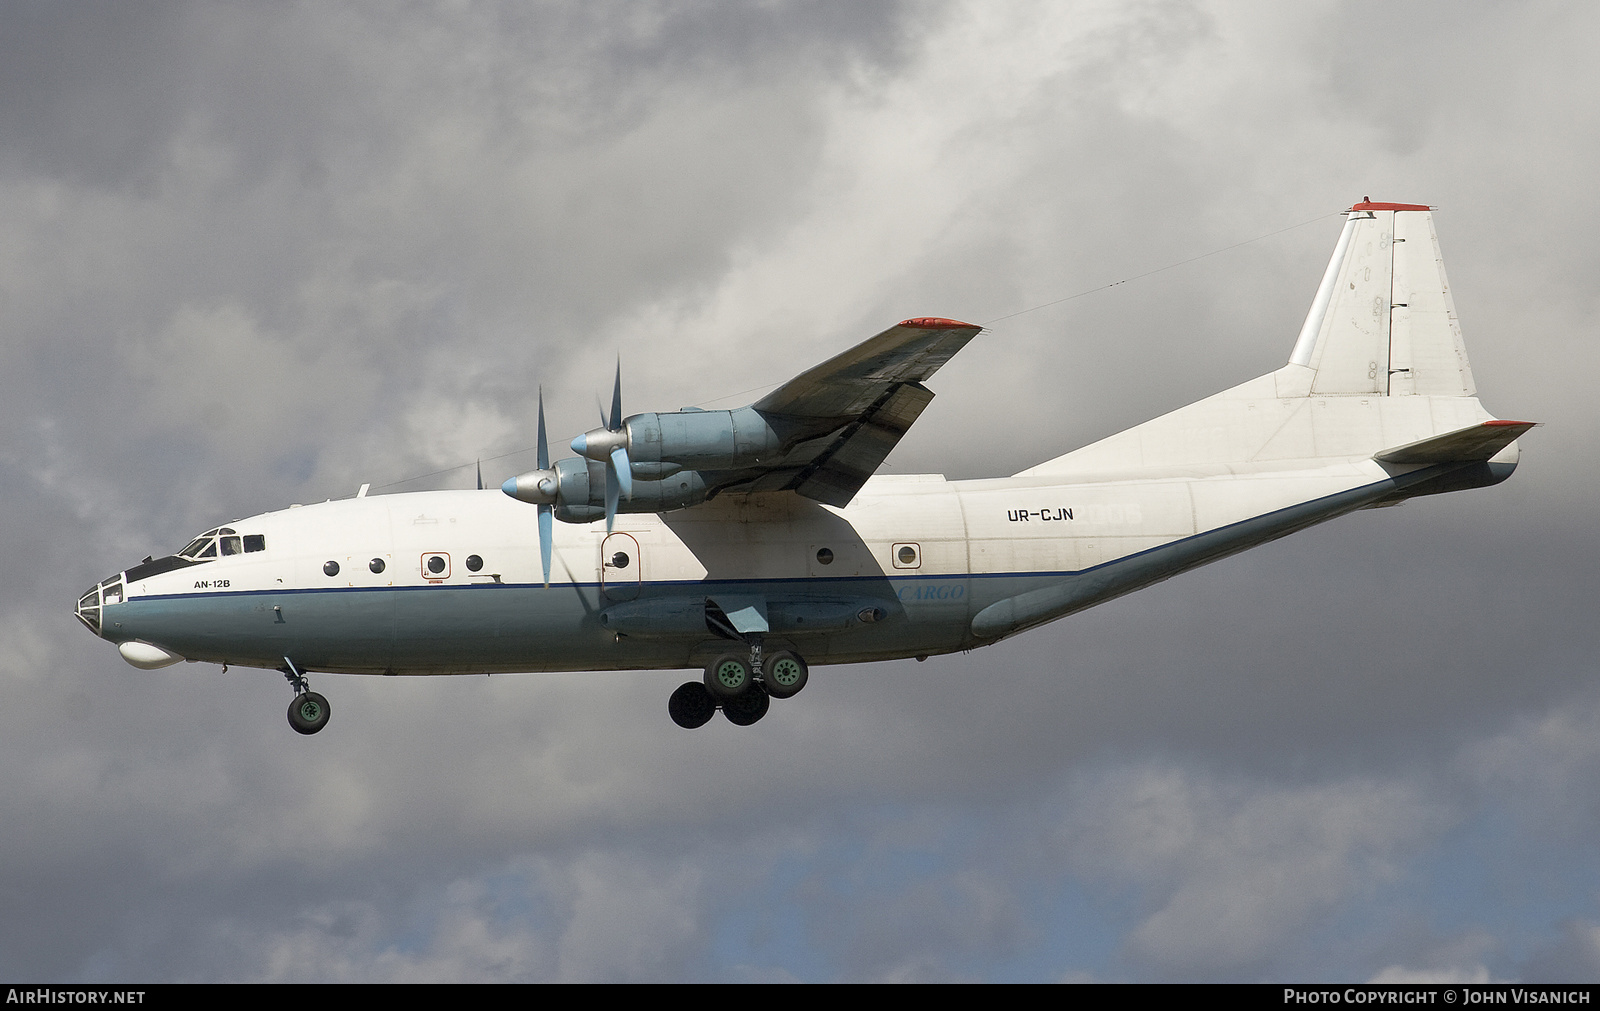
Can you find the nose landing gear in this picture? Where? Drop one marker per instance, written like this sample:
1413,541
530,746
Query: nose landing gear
309,711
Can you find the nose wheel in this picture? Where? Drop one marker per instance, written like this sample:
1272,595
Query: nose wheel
308,713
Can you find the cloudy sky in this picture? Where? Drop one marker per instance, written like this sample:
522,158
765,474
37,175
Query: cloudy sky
255,254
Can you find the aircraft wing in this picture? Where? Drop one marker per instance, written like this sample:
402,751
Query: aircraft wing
848,385
853,409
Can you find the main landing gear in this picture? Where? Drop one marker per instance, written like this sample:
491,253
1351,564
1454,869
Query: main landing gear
308,713
743,687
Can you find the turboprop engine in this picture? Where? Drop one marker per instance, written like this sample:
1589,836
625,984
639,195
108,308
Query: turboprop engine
648,463
657,459
576,488
661,445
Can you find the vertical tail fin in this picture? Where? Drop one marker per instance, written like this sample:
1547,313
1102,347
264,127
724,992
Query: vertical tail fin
1379,365
1383,322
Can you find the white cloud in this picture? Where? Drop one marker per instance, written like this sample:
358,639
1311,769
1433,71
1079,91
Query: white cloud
1397,975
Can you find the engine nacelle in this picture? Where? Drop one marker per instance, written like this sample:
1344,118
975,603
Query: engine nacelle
661,445
581,497
577,489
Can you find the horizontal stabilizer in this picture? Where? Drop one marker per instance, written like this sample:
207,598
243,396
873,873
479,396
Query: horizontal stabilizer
1467,445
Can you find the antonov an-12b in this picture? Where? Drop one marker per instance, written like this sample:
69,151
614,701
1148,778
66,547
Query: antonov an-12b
755,543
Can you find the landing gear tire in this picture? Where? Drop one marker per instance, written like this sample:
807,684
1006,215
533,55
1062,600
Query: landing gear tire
784,674
728,676
308,713
743,710
691,705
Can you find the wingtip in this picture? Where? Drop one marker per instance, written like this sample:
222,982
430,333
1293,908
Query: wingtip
937,323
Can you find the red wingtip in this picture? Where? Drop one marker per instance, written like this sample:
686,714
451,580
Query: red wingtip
934,323
1369,205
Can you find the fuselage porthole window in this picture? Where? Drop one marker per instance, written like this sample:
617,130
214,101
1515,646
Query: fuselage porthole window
474,562
376,565
330,568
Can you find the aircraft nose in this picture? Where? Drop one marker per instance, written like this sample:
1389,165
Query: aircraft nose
88,609
99,596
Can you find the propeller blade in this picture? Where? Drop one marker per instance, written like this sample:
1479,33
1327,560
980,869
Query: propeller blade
613,486
616,400
546,537
480,475
546,527
544,446
624,471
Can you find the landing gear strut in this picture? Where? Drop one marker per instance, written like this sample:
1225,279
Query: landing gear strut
309,711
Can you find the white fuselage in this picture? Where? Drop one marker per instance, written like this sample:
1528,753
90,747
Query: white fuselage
937,565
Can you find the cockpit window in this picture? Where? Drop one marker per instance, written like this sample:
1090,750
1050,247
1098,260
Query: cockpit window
220,542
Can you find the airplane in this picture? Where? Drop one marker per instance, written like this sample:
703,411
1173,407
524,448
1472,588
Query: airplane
752,544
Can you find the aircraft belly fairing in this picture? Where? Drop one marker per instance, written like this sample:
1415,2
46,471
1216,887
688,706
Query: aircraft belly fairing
753,543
